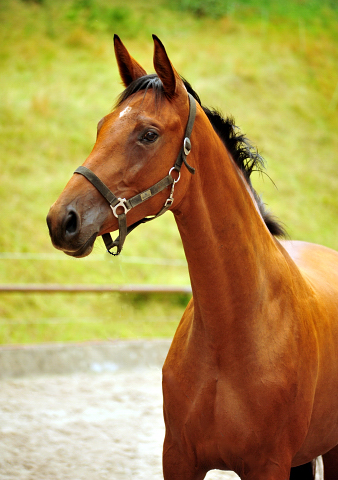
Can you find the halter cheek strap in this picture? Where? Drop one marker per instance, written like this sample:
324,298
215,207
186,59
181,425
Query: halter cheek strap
116,203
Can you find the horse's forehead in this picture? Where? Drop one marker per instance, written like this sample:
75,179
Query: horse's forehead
140,110
125,111
147,105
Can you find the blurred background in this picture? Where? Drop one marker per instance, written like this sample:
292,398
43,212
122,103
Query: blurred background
271,65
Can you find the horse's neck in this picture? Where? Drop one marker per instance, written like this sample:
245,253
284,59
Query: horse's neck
228,247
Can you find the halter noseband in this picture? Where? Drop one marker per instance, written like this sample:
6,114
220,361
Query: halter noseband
127,205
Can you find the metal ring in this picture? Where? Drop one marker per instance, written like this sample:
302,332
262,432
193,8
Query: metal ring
179,173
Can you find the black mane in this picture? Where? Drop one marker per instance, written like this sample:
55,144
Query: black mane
244,154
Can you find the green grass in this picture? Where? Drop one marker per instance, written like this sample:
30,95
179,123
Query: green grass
274,70
91,316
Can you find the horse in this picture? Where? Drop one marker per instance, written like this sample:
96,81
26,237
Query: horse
250,382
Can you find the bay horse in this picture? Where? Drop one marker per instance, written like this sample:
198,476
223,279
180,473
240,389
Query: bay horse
250,383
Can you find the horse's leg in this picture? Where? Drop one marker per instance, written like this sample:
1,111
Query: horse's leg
330,461
273,472
178,471
303,472
178,465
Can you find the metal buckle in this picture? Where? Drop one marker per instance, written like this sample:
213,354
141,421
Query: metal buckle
187,146
120,204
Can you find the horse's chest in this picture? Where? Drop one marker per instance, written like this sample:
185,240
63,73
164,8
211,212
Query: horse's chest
206,411
190,413
220,418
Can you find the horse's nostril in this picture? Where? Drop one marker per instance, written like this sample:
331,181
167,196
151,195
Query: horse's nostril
71,224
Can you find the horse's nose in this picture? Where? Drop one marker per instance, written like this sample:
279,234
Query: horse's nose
63,228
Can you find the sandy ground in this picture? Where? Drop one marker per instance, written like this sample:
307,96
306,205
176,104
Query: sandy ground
98,416
84,426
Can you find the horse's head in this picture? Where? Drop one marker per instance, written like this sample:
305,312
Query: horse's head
136,147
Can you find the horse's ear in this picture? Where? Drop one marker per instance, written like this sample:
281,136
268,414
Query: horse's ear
129,69
164,69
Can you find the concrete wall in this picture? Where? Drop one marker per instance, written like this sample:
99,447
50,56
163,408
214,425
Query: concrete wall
19,361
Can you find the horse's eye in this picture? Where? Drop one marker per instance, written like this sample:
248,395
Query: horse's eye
150,136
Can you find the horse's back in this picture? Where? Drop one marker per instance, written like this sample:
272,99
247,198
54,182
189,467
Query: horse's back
318,265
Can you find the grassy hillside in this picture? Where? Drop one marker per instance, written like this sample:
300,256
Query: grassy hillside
274,70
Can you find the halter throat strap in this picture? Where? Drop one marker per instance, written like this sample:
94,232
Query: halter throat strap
118,203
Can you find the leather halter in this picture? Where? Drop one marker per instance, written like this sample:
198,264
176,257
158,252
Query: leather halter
127,205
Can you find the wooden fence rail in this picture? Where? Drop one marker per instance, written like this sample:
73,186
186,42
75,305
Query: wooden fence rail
59,288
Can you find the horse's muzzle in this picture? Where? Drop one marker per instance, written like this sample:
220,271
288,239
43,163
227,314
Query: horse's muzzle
66,233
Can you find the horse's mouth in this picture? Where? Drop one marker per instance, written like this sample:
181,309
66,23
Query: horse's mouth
85,249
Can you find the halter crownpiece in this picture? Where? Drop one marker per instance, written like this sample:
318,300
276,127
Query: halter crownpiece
127,205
